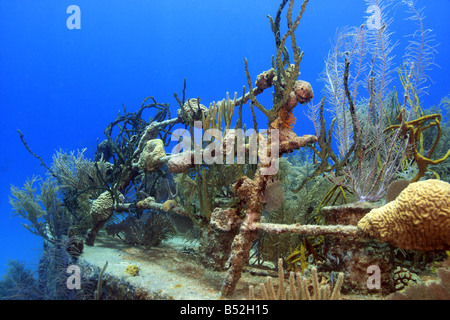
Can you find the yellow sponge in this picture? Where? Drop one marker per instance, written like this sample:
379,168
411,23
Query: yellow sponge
133,270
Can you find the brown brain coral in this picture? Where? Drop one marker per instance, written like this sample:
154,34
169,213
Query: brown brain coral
419,218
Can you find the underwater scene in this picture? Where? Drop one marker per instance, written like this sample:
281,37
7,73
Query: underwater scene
225,150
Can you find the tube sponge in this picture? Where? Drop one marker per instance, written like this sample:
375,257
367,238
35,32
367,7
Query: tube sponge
418,219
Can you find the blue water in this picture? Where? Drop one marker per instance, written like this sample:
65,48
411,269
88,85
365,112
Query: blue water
62,86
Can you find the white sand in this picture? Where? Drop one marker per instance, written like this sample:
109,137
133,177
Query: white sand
164,272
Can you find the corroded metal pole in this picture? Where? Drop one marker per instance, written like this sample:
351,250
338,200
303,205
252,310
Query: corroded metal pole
309,230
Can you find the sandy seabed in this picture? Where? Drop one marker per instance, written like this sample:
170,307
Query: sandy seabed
170,271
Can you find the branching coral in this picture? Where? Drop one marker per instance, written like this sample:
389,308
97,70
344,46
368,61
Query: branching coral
77,174
80,179
329,161
157,228
369,156
299,287
44,212
230,199
251,191
381,47
134,149
227,200
419,57
414,130
19,283
150,230
286,73
297,259
371,162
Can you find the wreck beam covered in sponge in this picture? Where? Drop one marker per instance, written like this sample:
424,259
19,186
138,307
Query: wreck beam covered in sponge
309,230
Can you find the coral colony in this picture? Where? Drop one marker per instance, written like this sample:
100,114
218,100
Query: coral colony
359,209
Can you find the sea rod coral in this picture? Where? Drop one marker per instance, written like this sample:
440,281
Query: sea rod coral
251,191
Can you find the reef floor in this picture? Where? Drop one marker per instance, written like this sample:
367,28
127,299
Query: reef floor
168,272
